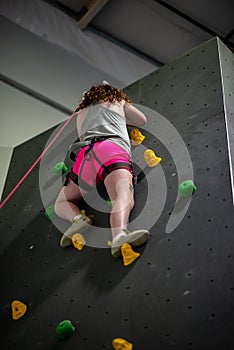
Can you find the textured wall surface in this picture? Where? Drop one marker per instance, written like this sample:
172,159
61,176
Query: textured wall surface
179,294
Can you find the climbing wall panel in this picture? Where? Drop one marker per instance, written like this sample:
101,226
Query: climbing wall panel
180,292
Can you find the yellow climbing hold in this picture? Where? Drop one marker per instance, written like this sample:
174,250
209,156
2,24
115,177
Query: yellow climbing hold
150,158
128,254
18,309
136,136
83,213
121,344
78,241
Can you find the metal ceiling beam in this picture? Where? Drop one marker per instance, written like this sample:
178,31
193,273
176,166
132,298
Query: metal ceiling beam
229,35
127,46
92,10
193,21
34,94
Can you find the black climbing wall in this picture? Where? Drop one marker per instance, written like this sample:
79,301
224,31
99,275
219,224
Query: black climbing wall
180,293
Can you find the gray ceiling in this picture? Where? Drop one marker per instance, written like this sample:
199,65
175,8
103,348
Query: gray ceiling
162,30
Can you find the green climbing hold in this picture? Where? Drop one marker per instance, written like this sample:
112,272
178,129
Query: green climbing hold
109,202
60,168
49,211
187,188
64,329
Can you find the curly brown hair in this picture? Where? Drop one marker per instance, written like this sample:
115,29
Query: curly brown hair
102,92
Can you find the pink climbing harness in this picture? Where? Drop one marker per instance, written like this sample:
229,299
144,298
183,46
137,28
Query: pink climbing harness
96,160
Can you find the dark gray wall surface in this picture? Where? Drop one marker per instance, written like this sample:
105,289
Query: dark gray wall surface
180,292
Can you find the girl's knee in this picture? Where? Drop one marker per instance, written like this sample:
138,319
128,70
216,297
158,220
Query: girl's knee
56,205
60,198
132,203
123,202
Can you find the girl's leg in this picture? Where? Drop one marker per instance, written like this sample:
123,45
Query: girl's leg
66,206
67,201
120,190
119,187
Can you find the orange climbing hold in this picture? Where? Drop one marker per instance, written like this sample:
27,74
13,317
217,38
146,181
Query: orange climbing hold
78,241
150,158
136,136
128,254
121,344
18,309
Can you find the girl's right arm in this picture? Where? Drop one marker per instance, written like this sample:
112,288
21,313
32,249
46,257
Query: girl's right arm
133,115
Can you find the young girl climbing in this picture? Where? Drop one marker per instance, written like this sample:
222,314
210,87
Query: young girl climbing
104,155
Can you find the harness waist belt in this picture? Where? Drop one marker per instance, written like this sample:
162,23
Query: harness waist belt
75,147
